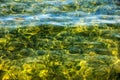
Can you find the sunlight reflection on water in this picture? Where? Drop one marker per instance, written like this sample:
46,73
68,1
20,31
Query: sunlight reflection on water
58,12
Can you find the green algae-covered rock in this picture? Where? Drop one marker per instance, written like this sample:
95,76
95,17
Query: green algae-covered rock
64,53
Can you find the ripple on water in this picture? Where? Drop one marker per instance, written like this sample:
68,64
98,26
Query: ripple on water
58,12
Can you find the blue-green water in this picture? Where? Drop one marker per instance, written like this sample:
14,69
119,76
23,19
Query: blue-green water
14,13
59,40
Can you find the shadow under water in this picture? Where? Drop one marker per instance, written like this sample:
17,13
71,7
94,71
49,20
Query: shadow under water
50,52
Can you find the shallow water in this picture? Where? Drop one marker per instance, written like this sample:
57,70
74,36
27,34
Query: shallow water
59,40
15,13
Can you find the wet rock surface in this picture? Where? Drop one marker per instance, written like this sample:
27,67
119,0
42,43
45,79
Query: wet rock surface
45,52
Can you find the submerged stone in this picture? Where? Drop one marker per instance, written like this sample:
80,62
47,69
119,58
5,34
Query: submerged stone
116,66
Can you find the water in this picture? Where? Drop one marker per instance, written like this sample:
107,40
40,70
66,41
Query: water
14,13
59,40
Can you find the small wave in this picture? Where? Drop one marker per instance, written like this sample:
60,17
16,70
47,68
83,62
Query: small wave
58,12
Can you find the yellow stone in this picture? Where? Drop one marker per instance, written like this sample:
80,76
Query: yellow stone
3,40
116,66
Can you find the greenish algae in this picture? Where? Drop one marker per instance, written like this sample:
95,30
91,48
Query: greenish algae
60,53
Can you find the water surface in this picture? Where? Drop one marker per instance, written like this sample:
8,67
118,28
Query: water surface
59,40
15,13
